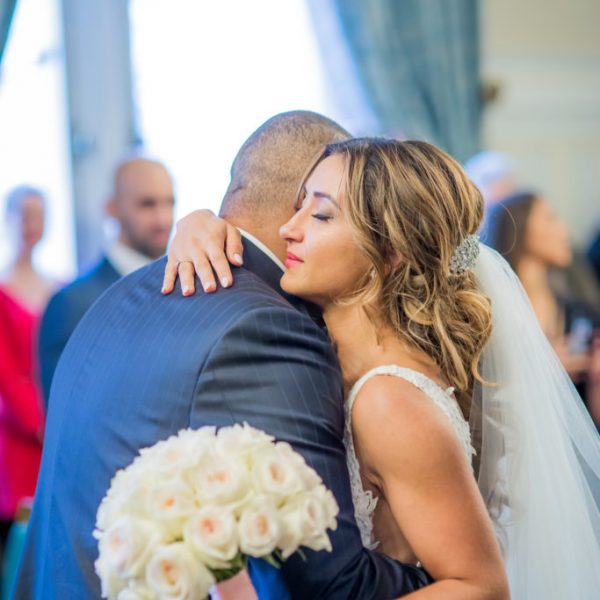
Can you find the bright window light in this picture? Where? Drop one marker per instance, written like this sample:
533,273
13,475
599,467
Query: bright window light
33,122
208,73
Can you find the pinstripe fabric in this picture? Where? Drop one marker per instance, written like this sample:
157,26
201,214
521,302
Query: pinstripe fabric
140,367
65,309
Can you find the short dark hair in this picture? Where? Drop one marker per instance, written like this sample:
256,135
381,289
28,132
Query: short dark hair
270,164
505,226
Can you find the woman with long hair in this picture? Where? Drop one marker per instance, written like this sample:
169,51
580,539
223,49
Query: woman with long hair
447,376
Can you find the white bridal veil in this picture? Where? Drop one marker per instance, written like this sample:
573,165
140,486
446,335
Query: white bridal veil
538,458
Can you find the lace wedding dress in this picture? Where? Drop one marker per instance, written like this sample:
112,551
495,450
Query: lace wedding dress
539,466
364,500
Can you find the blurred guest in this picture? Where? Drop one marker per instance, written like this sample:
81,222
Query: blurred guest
577,283
494,174
142,203
23,295
593,254
527,232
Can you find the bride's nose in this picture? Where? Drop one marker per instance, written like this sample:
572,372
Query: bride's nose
291,231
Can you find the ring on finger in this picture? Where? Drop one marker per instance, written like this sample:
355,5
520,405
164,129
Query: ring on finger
180,262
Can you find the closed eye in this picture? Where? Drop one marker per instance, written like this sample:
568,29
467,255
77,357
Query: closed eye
321,217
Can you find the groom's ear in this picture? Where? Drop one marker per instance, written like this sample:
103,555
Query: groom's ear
111,208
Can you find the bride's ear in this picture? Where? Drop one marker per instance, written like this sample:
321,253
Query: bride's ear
393,263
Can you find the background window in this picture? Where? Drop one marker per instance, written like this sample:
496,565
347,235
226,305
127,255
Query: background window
207,74
33,122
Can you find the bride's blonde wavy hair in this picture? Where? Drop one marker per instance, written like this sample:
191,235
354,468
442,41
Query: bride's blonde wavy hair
410,205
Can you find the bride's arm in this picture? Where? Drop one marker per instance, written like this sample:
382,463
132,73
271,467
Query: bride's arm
410,451
202,242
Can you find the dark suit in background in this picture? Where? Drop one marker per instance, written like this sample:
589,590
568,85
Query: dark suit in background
63,313
142,366
593,255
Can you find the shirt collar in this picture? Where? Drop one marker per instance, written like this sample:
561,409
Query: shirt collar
124,259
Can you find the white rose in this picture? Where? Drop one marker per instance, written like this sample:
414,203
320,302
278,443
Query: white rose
241,440
172,499
291,532
212,532
127,494
221,481
136,591
276,475
308,474
119,482
126,545
259,529
202,436
173,573
329,504
111,507
319,542
302,521
111,584
108,512
181,452
171,503
305,520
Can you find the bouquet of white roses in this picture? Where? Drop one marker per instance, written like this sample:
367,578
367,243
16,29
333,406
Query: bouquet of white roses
190,509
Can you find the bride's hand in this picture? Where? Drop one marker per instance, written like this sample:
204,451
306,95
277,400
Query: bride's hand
202,242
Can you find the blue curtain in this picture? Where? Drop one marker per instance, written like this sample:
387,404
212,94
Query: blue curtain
7,9
416,62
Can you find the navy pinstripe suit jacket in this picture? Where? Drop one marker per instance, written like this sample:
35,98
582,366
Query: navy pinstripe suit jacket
64,311
140,367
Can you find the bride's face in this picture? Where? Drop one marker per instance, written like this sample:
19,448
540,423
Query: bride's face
323,262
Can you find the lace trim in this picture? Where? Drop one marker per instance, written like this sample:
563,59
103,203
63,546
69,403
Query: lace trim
364,500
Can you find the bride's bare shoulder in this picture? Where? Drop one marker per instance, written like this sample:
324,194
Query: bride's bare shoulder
383,395
393,418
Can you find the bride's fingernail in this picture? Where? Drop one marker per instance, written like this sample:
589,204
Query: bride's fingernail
208,287
238,259
225,282
186,290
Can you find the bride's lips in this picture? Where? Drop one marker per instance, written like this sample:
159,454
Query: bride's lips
291,260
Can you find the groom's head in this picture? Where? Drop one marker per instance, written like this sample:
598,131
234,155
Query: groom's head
268,168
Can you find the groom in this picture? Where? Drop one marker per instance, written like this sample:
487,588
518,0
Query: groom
142,366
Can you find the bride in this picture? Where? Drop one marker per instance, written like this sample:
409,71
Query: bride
447,374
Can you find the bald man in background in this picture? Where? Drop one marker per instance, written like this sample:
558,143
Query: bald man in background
142,203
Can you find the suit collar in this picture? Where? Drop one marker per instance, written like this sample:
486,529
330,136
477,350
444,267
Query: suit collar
258,262
263,247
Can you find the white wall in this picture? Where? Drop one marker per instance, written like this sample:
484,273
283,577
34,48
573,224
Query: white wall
545,54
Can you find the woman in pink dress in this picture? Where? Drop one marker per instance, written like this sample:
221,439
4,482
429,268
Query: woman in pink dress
23,296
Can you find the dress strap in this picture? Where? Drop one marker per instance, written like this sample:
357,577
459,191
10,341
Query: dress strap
418,379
